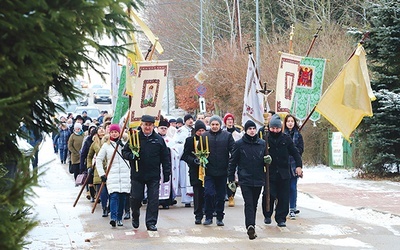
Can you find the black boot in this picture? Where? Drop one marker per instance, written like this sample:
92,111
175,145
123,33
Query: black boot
105,212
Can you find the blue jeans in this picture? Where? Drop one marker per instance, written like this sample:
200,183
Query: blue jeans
293,193
103,195
117,205
214,196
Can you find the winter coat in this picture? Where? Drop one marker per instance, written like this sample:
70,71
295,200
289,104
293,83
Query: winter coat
93,151
87,142
248,155
220,147
153,152
280,147
189,157
63,136
118,178
74,146
297,139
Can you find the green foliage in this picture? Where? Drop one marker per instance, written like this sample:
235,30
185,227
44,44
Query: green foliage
15,219
379,144
44,45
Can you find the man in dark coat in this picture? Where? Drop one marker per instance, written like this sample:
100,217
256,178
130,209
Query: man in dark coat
248,155
220,147
153,152
280,147
190,158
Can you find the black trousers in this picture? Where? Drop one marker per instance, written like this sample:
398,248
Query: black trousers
198,201
137,195
279,190
250,197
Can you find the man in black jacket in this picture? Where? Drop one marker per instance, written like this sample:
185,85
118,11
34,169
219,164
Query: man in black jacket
220,147
153,152
190,158
280,147
248,155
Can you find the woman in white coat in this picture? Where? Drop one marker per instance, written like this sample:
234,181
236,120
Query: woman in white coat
118,179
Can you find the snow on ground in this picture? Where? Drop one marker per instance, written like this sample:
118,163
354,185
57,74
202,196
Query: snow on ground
345,178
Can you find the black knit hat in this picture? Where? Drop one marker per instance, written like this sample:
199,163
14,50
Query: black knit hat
163,123
275,121
199,125
187,117
249,124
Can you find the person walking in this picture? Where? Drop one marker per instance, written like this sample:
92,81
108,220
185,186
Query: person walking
194,164
180,136
248,156
75,142
118,181
229,121
63,136
92,167
153,154
292,129
280,147
220,147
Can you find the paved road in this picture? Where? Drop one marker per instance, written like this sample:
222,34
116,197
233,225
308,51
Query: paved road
333,216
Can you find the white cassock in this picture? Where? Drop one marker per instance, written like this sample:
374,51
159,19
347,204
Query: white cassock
165,188
185,189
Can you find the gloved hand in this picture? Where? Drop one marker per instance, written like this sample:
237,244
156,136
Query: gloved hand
166,178
196,161
103,178
119,142
267,159
232,186
90,171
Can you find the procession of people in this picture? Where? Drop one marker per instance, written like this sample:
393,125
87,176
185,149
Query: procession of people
202,163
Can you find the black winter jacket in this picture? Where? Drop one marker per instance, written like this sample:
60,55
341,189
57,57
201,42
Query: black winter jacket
153,152
221,146
280,147
248,156
189,157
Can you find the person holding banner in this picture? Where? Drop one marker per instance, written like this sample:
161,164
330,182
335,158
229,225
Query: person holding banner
281,147
147,153
118,183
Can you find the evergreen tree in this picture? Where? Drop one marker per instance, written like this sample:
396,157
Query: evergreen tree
44,45
379,144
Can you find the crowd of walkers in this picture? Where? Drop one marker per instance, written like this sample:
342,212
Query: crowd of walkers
203,161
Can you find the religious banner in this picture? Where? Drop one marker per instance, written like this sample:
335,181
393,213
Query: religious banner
288,74
122,103
149,89
253,105
309,88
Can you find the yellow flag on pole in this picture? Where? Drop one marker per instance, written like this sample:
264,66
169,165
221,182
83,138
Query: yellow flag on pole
149,34
348,99
131,63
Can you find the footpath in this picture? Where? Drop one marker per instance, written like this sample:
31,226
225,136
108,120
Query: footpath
323,191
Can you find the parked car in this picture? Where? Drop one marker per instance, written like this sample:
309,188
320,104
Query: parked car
92,112
102,95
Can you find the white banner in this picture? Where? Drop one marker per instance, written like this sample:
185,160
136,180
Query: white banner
288,74
253,106
150,84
